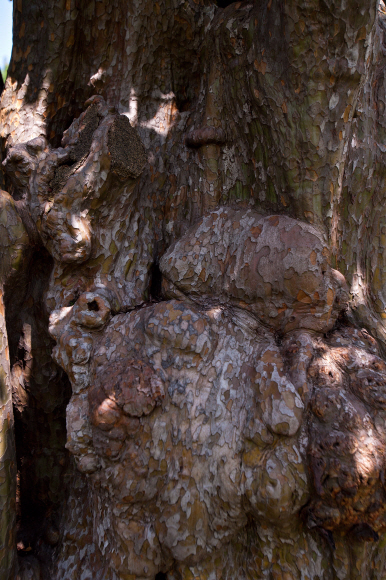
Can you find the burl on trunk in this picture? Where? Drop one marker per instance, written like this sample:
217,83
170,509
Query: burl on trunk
194,241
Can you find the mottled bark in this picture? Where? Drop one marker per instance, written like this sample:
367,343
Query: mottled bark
194,299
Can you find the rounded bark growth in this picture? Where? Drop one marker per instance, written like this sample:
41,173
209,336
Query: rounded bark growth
193,290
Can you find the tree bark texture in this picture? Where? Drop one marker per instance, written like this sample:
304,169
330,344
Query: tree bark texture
193,291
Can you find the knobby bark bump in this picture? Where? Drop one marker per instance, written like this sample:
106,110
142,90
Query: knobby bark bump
192,289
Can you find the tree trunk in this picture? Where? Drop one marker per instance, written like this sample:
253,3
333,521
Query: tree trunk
193,290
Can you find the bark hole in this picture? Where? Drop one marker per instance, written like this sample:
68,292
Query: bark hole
93,305
155,289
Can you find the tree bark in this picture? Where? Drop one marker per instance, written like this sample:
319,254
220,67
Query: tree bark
194,300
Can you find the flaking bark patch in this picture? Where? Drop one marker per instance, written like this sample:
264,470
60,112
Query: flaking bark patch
229,424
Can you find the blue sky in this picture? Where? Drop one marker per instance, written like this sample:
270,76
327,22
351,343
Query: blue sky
5,31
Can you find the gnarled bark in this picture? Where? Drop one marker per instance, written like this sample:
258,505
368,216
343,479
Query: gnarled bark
197,248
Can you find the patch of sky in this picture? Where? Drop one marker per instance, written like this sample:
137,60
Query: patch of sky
5,35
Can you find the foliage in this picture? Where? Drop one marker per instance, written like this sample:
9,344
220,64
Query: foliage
4,70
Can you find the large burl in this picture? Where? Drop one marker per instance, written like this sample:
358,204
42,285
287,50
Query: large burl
214,410
284,279
347,435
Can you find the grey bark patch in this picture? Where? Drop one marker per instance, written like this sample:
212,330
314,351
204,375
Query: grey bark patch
90,122
128,155
79,151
